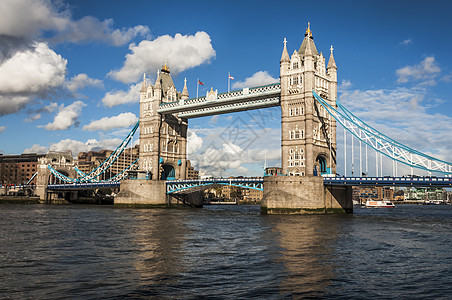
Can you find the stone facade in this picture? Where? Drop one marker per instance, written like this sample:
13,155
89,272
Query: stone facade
163,138
308,134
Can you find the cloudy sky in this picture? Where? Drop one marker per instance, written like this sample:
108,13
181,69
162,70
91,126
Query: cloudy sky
70,70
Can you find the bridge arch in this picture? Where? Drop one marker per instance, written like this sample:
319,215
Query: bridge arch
321,162
168,172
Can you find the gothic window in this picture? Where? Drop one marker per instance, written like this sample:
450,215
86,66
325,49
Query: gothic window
297,156
302,110
302,134
297,134
296,163
301,151
290,112
295,65
296,111
291,151
295,80
291,136
290,164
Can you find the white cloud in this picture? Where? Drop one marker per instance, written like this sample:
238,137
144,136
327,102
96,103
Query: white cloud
10,103
119,121
426,72
89,29
2,128
81,81
37,16
121,97
405,42
90,145
33,70
66,117
238,149
345,84
33,118
194,142
257,79
181,52
36,149
44,15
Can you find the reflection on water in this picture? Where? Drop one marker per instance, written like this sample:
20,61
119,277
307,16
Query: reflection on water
307,243
158,240
232,252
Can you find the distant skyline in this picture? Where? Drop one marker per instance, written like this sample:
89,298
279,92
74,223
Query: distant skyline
70,71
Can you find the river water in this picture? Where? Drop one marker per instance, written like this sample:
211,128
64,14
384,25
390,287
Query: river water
223,252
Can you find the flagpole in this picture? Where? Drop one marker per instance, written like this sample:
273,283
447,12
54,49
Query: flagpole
229,80
197,85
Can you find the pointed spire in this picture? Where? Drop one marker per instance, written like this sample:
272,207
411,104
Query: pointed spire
331,62
285,54
308,31
165,68
143,87
185,90
157,81
308,40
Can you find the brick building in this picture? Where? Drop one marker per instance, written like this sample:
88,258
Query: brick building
18,169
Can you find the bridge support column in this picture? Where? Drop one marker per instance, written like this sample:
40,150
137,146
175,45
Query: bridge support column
304,195
142,192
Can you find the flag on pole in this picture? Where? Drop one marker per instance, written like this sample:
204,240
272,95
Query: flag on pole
230,77
200,82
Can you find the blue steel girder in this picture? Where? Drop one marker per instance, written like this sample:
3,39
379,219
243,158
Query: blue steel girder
174,186
389,181
382,143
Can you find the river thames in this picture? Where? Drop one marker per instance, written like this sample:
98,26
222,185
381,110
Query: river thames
223,252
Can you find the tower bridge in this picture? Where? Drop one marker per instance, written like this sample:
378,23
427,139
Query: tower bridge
307,95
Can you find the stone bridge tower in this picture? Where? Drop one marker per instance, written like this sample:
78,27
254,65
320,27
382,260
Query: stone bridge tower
308,137
163,138
308,134
60,161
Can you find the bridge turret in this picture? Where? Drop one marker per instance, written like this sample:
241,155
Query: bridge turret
332,73
158,88
284,65
184,94
332,68
143,89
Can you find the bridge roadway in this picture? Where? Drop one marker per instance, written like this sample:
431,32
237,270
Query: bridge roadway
181,186
234,101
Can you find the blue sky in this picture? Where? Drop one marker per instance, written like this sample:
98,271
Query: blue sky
69,70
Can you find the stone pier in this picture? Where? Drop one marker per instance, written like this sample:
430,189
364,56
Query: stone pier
142,192
304,195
